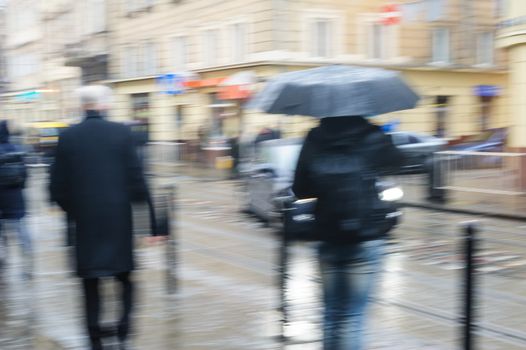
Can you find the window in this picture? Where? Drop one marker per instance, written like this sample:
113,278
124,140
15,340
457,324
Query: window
140,106
500,7
210,47
23,65
138,5
179,52
435,9
381,40
99,13
239,41
149,63
375,40
441,45
411,12
93,16
441,112
321,38
131,62
485,49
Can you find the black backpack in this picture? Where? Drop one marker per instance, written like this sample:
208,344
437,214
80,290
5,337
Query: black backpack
13,172
348,207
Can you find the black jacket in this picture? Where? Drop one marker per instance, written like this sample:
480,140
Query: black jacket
95,178
382,156
12,203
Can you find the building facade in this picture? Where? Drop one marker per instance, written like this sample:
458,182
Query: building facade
512,37
167,59
444,48
23,53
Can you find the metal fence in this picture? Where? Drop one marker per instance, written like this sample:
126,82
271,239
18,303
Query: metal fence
481,172
168,154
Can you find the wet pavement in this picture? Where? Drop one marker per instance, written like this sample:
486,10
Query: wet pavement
228,296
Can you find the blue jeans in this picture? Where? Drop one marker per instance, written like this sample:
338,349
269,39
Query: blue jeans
348,274
24,237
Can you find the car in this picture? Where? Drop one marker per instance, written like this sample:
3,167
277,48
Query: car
42,138
468,147
418,148
492,140
269,176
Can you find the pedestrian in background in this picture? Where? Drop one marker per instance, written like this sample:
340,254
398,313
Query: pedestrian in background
95,178
13,175
339,165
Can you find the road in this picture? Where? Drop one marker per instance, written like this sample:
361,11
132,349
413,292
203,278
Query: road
228,296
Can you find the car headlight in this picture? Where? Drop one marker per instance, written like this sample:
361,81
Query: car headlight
392,194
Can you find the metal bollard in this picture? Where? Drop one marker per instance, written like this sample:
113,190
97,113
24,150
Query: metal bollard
283,263
171,244
470,229
283,276
436,180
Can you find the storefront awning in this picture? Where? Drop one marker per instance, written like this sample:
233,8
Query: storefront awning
238,86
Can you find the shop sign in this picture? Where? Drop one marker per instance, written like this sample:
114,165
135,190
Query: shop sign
28,96
171,84
390,15
487,90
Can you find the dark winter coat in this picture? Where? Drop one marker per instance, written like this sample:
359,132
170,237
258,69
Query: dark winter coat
378,150
95,178
12,203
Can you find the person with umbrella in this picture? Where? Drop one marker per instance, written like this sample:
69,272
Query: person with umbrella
339,165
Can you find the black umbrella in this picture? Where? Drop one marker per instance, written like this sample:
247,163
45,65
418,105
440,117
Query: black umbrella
333,91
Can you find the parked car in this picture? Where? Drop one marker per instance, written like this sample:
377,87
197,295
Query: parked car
492,140
468,148
417,148
270,174
42,138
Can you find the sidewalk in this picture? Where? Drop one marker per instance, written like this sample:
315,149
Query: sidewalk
228,295
212,309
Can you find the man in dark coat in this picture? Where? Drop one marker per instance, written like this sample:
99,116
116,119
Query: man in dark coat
12,205
95,178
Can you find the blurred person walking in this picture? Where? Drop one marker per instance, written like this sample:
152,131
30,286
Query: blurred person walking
339,165
13,175
95,178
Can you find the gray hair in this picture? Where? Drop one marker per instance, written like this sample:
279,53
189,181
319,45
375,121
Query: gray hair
96,97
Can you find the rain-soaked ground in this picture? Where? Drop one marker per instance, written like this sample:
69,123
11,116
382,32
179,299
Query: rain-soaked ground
228,295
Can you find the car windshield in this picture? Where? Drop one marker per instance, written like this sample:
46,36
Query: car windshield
483,136
283,158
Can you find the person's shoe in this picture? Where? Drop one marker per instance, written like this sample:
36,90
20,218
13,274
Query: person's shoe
96,344
108,331
125,345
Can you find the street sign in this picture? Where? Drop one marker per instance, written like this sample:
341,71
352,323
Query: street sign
487,90
28,96
171,84
391,15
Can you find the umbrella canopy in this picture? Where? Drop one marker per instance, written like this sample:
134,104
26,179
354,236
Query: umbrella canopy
335,91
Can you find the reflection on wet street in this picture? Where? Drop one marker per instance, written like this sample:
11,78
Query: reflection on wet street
228,295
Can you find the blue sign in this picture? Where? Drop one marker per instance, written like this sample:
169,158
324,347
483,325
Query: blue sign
487,90
28,96
391,126
171,84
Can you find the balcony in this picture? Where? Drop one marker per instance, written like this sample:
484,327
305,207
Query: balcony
91,55
86,49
